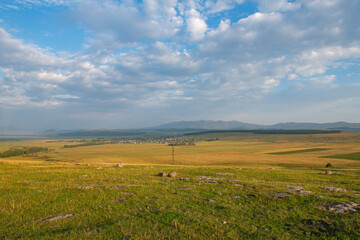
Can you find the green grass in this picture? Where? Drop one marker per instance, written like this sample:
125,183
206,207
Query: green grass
300,151
349,156
134,203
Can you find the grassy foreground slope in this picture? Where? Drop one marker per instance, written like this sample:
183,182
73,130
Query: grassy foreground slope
227,189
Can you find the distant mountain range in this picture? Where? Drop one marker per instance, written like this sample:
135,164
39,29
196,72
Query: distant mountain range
229,125
185,127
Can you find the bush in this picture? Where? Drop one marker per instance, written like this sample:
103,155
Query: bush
328,165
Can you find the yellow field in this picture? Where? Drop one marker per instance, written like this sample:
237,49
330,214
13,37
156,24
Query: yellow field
232,150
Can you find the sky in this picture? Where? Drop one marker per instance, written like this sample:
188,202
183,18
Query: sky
70,64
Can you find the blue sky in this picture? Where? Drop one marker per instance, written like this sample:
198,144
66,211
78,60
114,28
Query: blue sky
70,64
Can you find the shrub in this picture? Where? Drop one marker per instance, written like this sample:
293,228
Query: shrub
328,165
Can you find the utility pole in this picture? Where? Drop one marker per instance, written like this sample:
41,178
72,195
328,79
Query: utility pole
173,155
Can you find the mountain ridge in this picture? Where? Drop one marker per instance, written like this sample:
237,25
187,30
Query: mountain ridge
229,125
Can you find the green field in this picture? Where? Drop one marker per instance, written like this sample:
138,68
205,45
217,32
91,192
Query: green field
300,151
226,189
349,156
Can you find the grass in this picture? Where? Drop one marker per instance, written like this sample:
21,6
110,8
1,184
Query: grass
134,203
349,156
300,151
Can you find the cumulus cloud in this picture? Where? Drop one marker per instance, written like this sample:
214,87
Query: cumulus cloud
155,56
196,26
215,6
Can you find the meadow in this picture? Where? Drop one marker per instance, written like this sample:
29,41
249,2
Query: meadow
233,188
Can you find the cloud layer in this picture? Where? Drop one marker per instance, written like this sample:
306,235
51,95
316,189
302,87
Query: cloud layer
154,61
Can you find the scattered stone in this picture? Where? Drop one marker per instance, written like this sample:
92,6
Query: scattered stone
295,188
99,187
209,181
54,218
303,192
236,196
129,193
99,168
342,207
211,200
299,190
224,222
226,173
206,179
85,187
271,168
84,175
238,185
172,174
162,174
357,194
232,180
119,165
334,189
318,196
280,195
328,172
184,179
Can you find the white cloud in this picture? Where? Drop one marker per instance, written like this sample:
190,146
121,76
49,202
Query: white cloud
277,5
196,26
215,6
137,58
328,79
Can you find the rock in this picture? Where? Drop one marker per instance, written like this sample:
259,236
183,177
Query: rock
328,172
99,168
226,173
303,192
184,188
236,196
172,174
184,179
357,194
54,218
209,181
280,195
119,165
342,207
211,200
295,188
334,189
162,174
